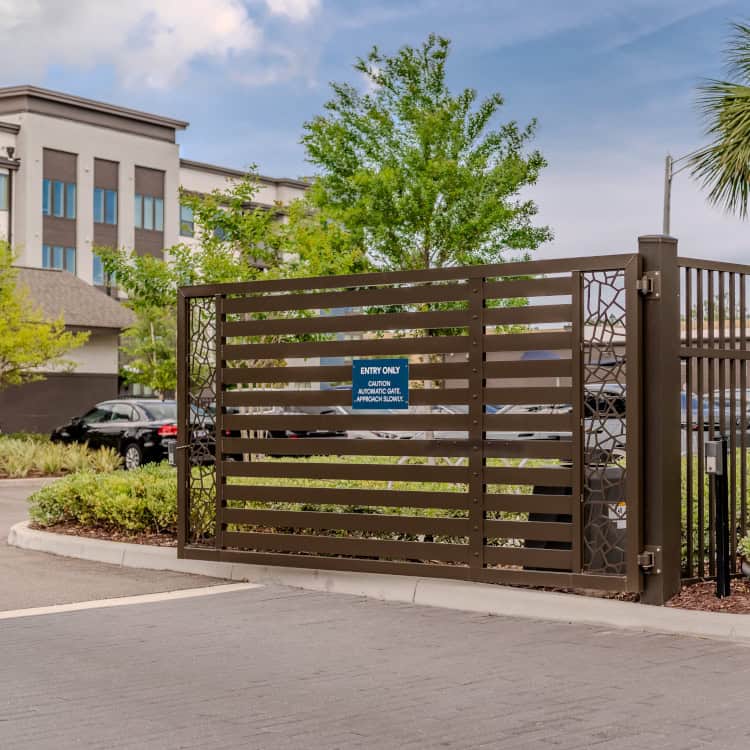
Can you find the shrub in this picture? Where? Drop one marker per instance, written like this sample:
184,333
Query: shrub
131,502
23,457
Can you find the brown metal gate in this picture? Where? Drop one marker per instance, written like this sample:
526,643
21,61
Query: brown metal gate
517,461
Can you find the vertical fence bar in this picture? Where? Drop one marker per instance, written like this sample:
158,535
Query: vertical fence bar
711,301
183,486
634,425
219,478
579,460
661,420
743,407
477,462
733,420
700,364
689,495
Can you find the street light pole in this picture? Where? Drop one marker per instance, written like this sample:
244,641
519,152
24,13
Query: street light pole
668,174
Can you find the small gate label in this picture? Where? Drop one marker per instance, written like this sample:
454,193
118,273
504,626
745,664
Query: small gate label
380,384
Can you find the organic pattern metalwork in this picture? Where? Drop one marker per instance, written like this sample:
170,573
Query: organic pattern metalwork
605,516
201,387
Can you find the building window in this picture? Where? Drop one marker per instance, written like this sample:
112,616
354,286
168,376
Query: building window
187,223
59,199
4,192
55,256
105,206
149,212
98,271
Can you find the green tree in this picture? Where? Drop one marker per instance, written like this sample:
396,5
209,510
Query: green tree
238,242
422,177
723,166
27,340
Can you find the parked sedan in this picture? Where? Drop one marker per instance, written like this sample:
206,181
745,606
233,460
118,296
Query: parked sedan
138,429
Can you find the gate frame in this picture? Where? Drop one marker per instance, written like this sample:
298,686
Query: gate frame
647,505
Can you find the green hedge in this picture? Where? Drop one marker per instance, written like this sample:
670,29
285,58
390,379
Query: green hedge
133,502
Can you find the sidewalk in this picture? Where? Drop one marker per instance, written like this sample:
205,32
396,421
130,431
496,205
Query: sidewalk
34,579
432,592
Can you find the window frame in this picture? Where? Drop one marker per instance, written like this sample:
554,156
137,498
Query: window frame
187,226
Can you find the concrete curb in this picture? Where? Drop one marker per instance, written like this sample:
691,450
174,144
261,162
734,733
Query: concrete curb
459,595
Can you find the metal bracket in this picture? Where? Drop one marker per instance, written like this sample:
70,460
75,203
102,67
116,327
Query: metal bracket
650,559
649,285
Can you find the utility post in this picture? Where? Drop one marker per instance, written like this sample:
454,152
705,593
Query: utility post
661,418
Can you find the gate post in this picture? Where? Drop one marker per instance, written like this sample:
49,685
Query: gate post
661,416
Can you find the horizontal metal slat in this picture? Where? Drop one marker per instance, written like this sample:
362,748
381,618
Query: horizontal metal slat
356,472
538,531
348,546
556,559
347,521
528,314
547,395
387,295
562,449
353,497
395,422
529,423
334,373
350,447
549,477
545,287
347,323
532,503
531,368
358,347
331,397
518,342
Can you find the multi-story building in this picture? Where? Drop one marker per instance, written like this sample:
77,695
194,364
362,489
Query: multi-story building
76,174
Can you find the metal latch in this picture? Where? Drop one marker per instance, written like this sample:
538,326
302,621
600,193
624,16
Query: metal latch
650,284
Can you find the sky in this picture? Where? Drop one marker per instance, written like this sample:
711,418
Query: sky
611,83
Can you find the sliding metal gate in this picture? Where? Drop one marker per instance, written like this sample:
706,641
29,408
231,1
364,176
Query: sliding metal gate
517,461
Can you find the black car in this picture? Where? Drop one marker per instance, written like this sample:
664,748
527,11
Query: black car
138,429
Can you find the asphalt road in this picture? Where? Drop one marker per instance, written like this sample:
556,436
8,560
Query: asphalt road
275,668
35,579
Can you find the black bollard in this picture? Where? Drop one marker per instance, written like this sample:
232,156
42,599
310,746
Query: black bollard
716,466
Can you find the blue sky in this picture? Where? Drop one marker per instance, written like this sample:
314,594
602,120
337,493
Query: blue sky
611,83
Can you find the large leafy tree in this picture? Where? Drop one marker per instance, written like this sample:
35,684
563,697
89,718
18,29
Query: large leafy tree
723,166
420,176
28,341
237,242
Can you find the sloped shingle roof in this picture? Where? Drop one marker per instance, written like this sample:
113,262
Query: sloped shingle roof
82,305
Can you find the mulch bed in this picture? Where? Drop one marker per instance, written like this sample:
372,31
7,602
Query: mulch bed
702,596
158,540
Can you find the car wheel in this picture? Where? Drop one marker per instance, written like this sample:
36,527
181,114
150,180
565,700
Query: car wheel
133,455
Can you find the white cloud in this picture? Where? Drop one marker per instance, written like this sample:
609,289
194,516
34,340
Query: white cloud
295,10
148,43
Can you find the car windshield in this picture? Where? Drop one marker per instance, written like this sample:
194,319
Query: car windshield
161,410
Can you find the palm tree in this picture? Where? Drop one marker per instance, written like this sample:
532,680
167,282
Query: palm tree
723,167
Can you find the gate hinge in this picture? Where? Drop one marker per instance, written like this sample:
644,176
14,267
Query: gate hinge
650,559
649,285
646,560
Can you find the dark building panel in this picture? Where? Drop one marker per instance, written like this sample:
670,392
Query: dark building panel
46,404
149,182
105,235
58,231
148,242
59,165
106,174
